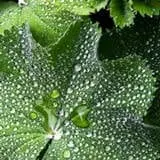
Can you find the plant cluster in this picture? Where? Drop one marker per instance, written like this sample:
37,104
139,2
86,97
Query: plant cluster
69,92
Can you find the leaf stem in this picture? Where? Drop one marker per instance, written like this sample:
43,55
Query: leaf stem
44,150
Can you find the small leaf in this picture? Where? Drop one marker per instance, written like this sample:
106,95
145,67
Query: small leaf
122,13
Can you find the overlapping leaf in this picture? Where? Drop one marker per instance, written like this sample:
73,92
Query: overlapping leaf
44,87
49,20
115,131
122,12
141,39
81,7
42,17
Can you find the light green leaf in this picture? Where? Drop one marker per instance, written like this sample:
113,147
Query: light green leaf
35,80
122,12
81,7
49,20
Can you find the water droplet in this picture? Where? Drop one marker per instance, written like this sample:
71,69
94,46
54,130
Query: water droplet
71,144
77,68
55,94
130,158
13,110
108,148
76,149
55,105
35,84
33,115
79,116
69,90
89,135
92,84
67,154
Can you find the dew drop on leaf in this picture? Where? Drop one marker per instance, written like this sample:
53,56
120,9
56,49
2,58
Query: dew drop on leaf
66,154
55,105
79,116
55,94
108,148
130,158
77,68
71,144
33,115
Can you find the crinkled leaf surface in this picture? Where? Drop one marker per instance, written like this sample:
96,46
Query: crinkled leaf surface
43,87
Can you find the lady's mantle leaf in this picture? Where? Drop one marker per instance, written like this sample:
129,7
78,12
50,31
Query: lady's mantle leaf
21,132
81,7
48,23
44,88
49,20
141,39
115,130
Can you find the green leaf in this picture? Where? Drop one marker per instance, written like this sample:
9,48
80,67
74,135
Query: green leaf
115,131
147,7
31,116
20,134
49,20
37,77
41,17
122,12
141,39
127,77
81,7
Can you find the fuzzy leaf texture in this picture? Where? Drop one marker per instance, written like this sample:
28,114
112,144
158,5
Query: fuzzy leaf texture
65,94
